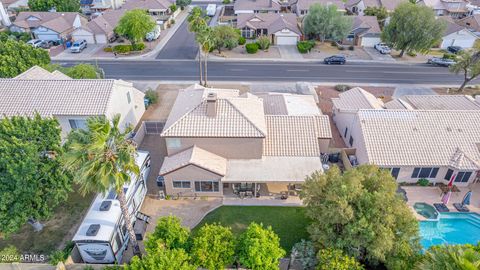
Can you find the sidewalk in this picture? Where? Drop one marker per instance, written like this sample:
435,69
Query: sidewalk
147,56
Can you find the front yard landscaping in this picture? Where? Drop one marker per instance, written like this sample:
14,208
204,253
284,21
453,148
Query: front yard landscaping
290,223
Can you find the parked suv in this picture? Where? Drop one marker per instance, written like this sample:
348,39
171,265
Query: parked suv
36,43
78,46
382,48
335,59
454,49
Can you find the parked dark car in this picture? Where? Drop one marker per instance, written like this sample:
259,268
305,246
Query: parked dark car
454,49
335,59
437,61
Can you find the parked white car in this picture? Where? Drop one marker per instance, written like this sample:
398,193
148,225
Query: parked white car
78,46
154,34
211,10
382,48
36,43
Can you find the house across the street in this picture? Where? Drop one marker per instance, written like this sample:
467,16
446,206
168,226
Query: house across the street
453,8
457,35
70,101
53,26
359,6
256,6
432,137
365,32
219,141
282,28
301,7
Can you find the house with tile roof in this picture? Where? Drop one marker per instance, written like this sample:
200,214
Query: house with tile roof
301,7
453,8
219,140
435,137
256,6
281,28
53,26
457,35
70,101
471,22
359,6
13,5
365,31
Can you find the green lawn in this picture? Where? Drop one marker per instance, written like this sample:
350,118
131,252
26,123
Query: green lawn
289,223
60,227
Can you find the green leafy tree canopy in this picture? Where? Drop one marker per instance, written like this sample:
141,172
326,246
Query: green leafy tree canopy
325,22
183,3
134,25
213,247
32,180
16,57
380,12
169,233
162,258
468,64
413,28
80,71
259,248
225,36
59,5
461,257
360,213
334,259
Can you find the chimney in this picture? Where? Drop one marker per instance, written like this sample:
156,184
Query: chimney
212,104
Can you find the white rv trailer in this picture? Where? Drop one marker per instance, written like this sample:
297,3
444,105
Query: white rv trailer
102,237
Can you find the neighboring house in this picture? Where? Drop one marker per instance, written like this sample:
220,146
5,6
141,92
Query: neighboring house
432,137
218,139
256,6
301,7
100,29
453,8
92,6
472,23
282,28
158,9
457,35
71,101
359,6
365,32
15,4
48,25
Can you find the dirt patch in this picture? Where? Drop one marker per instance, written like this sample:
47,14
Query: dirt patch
473,91
240,52
321,51
325,95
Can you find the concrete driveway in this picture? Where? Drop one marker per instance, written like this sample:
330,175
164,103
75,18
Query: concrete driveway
289,52
86,53
377,56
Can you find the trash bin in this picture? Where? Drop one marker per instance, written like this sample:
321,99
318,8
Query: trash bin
68,44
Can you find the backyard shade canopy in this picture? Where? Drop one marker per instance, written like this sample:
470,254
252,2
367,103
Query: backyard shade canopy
466,198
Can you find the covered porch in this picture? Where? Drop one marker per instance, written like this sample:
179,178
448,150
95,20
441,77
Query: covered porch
258,190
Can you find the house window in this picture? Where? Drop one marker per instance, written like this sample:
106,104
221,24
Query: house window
395,172
424,172
462,177
181,184
448,175
206,186
78,123
129,99
345,133
350,141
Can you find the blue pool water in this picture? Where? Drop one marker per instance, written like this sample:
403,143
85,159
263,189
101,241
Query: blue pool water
451,228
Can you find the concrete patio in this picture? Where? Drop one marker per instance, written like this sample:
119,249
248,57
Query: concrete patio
433,195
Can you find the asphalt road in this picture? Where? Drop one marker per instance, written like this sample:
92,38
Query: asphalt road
186,70
181,45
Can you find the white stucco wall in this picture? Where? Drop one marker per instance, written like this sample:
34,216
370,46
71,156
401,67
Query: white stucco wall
462,38
118,104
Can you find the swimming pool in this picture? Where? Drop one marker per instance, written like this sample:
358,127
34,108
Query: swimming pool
451,228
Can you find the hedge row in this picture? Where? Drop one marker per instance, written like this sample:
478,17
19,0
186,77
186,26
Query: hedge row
125,48
305,46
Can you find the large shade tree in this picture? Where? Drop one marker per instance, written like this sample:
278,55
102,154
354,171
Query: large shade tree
58,5
360,213
461,257
101,158
16,57
325,22
134,25
413,28
213,247
162,258
32,181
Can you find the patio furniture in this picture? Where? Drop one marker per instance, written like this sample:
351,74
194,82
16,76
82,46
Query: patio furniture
241,194
460,207
283,195
445,188
257,191
249,194
441,207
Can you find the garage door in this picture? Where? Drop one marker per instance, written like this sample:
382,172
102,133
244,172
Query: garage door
370,41
464,43
88,38
47,36
286,40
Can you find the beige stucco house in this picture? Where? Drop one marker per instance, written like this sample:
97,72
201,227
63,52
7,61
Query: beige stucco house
219,141
69,100
431,136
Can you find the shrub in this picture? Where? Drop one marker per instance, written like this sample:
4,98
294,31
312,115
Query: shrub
333,43
423,182
342,87
449,56
61,255
172,21
9,254
304,252
108,49
263,42
334,259
226,2
213,247
138,46
251,48
151,96
122,48
305,46
242,41
411,54
173,7
351,48
168,233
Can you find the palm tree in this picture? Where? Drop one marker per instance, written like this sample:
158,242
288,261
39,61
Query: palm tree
459,257
206,40
196,25
102,158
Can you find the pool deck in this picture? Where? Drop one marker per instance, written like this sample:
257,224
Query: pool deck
433,195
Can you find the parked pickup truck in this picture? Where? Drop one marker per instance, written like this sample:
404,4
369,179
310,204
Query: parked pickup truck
437,61
382,48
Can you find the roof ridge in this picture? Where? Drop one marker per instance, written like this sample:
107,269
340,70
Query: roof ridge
246,118
181,118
